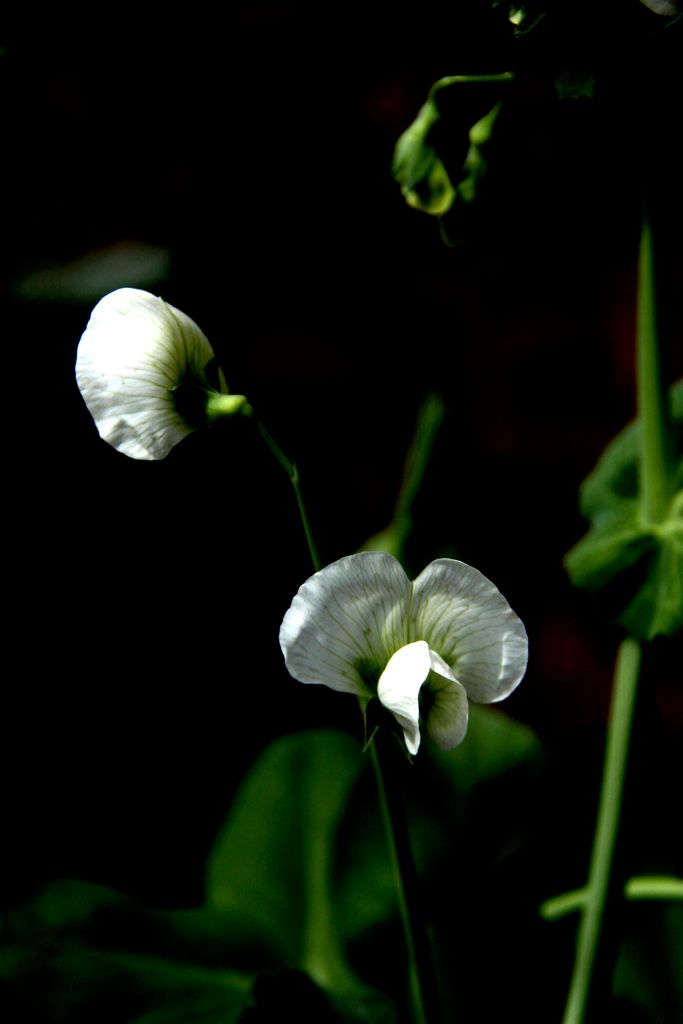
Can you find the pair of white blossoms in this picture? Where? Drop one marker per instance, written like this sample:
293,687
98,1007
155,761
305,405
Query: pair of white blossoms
360,626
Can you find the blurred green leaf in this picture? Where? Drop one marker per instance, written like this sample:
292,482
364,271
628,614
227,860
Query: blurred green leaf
272,863
393,537
80,952
320,783
299,880
648,973
461,800
651,594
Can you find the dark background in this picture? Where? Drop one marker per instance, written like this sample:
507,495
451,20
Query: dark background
253,153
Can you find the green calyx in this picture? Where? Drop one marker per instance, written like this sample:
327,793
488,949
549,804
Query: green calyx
222,406
204,399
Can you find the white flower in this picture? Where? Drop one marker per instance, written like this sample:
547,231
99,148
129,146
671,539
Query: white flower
142,370
423,647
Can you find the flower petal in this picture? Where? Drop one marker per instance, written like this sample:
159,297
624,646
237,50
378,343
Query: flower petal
346,621
135,350
448,712
465,619
399,686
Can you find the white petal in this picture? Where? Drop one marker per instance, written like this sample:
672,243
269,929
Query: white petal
465,619
134,351
448,710
399,687
346,621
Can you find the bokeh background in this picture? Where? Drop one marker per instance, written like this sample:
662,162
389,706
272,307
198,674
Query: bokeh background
240,165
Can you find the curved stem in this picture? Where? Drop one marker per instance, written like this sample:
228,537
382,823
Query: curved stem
616,757
293,474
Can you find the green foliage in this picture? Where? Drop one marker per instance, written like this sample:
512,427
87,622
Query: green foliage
644,559
303,853
272,861
300,890
648,971
80,952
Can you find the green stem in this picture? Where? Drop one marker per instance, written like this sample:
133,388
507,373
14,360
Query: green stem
640,887
420,973
293,474
499,79
655,475
616,757
422,987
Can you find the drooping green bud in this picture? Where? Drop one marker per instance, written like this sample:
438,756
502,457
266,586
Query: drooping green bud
417,168
439,159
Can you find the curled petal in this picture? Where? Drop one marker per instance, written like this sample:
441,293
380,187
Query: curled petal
346,621
134,352
448,711
399,686
465,619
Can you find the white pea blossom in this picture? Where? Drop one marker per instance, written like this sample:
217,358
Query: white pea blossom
424,648
143,369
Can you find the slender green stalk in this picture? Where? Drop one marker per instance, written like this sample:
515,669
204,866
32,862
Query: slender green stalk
293,474
655,497
420,972
422,988
655,471
626,676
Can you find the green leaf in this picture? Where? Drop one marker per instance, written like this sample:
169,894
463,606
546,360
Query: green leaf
272,863
464,800
303,857
643,561
648,973
657,608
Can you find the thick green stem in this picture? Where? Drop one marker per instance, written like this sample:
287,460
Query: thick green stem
655,472
616,758
420,972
